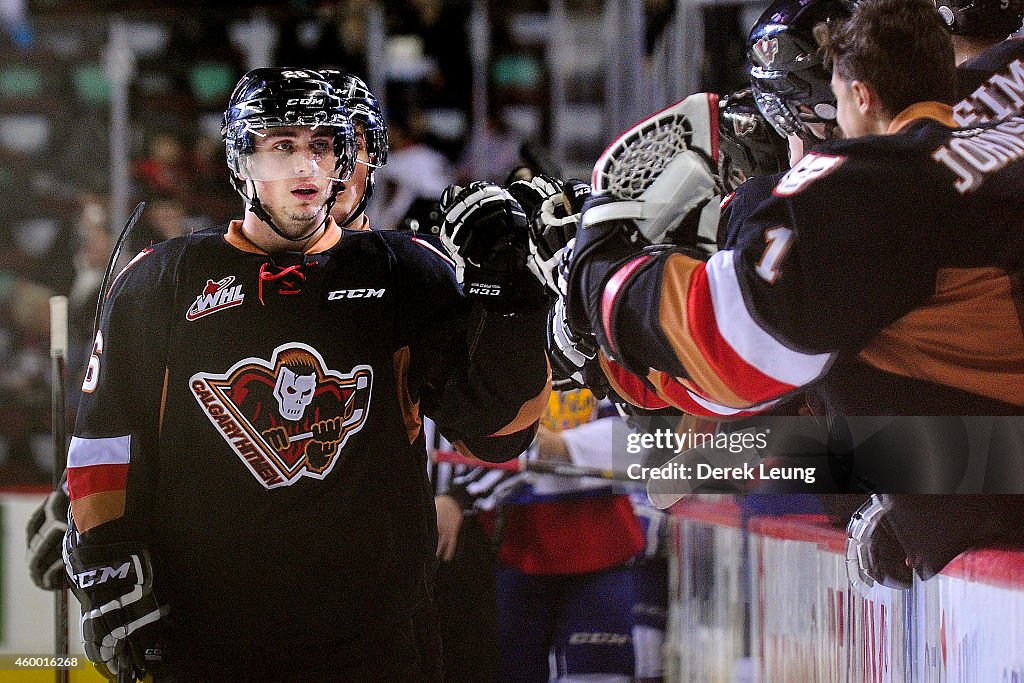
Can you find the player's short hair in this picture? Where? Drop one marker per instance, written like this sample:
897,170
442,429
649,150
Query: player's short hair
901,48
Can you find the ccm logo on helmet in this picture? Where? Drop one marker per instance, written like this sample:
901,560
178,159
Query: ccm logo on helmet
315,101
94,577
356,294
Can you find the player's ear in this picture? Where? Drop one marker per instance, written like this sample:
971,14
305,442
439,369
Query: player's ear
864,97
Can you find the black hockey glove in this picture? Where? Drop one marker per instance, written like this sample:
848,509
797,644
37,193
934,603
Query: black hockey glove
553,208
45,536
485,231
573,357
120,615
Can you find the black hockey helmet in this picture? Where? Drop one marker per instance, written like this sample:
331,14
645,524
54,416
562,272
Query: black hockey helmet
787,77
747,144
366,113
272,97
981,18
364,110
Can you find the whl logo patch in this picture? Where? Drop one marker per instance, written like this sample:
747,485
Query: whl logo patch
287,417
216,296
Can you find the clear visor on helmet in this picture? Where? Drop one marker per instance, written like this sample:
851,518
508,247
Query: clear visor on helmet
290,151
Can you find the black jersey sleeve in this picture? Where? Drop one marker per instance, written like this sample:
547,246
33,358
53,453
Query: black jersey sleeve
759,321
119,411
482,377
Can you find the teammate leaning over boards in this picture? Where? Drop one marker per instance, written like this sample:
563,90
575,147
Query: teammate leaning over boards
255,392
990,65
862,294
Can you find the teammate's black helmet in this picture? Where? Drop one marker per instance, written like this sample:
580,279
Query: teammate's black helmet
365,111
747,144
274,97
367,115
787,77
981,18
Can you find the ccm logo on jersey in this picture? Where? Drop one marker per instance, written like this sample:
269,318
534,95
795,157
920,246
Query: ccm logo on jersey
94,577
356,294
216,296
812,167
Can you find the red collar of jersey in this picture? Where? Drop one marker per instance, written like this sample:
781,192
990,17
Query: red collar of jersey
943,113
238,240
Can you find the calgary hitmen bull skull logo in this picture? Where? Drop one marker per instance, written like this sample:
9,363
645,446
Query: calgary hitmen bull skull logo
765,50
288,417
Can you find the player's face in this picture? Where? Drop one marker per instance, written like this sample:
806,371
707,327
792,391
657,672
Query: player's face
293,171
849,116
349,198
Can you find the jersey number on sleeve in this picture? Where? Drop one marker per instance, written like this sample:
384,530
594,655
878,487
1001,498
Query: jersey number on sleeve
777,244
92,373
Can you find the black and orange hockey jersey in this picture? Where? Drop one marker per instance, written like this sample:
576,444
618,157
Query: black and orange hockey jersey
886,269
258,421
991,85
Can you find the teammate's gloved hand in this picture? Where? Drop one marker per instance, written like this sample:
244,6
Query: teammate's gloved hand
553,222
603,241
120,614
573,356
485,230
531,193
874,553
45,535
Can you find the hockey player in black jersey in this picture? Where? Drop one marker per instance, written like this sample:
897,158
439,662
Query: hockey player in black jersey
854,283
790,87
247,473
990,65
854,334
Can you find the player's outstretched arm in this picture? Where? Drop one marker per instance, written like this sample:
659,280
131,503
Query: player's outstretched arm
482,370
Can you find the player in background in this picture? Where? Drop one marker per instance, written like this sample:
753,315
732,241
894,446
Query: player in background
566,585
790,87
256,392
565,591
373,142
990,61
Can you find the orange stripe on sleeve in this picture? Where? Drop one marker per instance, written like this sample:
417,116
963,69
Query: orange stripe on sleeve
672,312
91,511
531,411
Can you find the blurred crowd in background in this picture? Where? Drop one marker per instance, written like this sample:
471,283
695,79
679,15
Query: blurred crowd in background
55,121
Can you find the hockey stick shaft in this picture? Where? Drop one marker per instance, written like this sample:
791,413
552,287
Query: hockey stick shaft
58,390
538,466
108,274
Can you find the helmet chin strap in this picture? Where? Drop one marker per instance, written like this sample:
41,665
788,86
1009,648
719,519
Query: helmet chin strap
257,208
